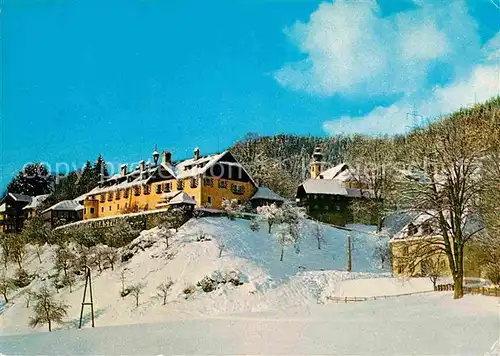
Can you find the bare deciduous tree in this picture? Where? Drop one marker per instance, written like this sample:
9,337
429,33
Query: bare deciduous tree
163,290
445,159
47,310
372,166
136,290
6,285
319,233
64,259
221,246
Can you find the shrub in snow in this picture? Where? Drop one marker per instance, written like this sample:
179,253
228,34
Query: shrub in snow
207,284
189,290
127,255
254,225
21,278
124,292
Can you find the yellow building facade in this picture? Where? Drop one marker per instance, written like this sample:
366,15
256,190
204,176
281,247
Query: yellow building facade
207,180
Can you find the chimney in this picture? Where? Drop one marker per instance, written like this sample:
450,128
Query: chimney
123,170
196,153
166,157
141,165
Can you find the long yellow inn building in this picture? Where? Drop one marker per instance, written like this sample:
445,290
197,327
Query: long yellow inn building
208,180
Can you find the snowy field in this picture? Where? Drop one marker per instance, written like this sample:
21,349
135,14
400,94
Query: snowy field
414,325
281,308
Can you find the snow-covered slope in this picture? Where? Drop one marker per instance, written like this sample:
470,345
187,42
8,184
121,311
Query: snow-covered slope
304,277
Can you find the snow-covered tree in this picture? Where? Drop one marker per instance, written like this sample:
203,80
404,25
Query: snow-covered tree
285,236
47,310
318,232
232,208
270,213
382,253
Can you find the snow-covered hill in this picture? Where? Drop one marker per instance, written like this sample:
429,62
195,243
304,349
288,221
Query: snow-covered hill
306,276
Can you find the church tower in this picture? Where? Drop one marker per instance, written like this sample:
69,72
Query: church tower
316,163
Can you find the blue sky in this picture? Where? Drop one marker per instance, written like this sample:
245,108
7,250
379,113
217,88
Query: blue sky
83,77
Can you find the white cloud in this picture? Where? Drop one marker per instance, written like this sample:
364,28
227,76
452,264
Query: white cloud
352,51
482,83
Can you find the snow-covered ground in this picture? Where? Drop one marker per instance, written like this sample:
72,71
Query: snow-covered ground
277,302
413,325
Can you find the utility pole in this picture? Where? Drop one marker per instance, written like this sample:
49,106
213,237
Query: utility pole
349,253
88,281
416,117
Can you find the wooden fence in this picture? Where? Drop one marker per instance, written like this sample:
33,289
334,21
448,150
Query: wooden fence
487,291
364,299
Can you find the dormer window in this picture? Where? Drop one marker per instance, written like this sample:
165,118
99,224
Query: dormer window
412,229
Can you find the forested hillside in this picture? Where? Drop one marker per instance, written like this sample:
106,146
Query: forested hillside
281,162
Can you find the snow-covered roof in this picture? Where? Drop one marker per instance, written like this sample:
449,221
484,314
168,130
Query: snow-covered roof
2,207
331,173
36,201
181,198
334,187
324,186
169,195
20,197
65,205
182,170
426,225
267,194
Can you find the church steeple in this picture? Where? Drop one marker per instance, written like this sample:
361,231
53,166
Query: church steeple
316,163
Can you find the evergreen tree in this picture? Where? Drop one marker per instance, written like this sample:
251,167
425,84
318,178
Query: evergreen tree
100,170
34,179
86,182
